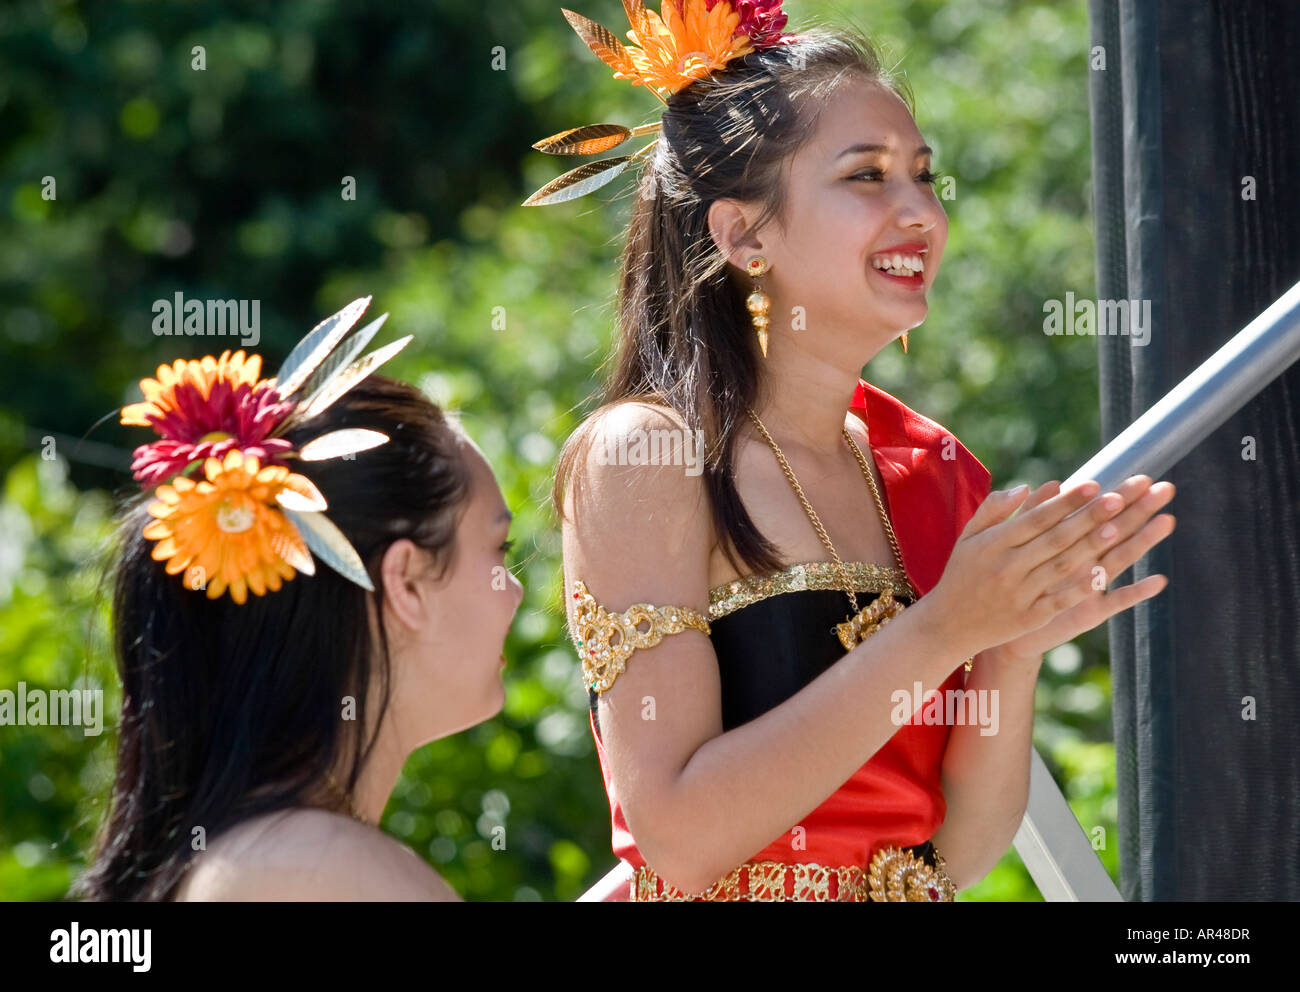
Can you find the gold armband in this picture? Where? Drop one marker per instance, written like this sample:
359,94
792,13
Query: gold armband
606,640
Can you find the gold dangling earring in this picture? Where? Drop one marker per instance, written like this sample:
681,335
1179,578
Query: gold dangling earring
905,342
759,303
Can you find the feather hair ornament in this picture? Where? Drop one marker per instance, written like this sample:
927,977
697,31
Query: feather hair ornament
228,511
687,40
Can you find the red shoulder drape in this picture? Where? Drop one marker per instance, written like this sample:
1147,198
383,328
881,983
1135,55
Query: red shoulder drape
933,485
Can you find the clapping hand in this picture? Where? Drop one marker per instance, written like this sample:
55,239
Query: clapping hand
1134,534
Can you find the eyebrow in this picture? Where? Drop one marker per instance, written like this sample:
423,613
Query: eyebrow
858,149
505,517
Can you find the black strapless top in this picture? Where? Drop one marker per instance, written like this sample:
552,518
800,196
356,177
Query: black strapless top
774,634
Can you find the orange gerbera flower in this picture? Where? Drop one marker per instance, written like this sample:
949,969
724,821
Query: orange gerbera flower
228,529
685,42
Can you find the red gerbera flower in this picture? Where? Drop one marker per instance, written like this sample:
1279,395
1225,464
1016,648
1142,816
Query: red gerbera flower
761,20
204,409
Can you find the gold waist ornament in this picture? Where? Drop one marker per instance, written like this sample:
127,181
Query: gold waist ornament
894,875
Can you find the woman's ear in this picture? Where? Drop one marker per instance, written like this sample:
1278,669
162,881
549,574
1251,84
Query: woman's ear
729,228
406,597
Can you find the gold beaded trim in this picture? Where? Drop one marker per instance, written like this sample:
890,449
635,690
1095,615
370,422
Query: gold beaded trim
606,640
864,577
894,875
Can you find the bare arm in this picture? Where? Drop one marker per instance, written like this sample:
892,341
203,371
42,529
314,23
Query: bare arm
698,800
986,775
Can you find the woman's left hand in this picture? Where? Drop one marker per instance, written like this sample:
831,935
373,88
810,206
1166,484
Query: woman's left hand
1135,533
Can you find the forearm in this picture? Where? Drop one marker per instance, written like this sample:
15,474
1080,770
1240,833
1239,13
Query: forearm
986,775
779,767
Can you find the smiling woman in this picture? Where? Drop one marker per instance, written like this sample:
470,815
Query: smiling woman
786,230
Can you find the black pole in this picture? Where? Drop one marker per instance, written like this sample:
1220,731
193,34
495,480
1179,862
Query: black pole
1196,158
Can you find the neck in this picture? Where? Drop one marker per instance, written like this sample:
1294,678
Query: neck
377,779
804,401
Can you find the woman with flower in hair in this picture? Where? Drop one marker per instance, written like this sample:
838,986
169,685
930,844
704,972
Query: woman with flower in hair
763,640
311,586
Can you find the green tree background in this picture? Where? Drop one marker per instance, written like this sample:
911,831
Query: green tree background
226,183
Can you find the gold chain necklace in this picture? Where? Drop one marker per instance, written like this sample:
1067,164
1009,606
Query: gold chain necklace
857,627
862,622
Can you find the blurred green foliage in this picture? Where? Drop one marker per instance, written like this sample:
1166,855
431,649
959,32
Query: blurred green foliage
51,621
226,183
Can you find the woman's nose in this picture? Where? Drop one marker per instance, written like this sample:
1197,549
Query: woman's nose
920,209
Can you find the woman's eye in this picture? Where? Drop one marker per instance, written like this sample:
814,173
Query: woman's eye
926,176
507,546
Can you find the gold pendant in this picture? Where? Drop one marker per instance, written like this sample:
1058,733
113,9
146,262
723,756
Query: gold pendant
856,629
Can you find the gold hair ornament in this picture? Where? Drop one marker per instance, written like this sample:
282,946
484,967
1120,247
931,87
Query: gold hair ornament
687,40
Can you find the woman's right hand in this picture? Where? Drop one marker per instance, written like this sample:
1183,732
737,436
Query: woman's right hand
1007,577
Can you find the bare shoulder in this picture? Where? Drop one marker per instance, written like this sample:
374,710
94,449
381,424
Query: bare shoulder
641,413
621,434
638,525
640,457
309,854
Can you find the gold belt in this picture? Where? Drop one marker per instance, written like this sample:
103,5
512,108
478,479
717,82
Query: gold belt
894,875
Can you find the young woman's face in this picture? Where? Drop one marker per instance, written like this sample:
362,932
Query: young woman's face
857,193
451,670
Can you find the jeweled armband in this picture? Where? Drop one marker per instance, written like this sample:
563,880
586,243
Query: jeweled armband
606,640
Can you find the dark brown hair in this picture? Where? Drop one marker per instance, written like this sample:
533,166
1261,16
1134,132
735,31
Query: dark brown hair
230,711
685,336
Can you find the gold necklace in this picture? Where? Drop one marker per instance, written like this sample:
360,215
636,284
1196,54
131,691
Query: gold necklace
862,622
